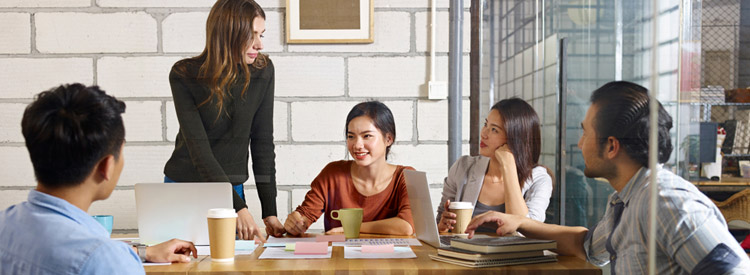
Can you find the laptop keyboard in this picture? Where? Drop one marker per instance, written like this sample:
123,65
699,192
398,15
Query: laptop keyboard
446,239
393,241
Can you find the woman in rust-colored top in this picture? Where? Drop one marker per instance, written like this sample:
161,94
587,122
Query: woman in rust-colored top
367,182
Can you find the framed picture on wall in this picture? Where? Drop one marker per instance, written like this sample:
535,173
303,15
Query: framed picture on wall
329,21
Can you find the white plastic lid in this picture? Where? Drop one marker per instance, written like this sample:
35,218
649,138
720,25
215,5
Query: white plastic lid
461,205
219,213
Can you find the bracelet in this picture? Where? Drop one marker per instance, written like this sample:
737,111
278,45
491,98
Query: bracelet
141,251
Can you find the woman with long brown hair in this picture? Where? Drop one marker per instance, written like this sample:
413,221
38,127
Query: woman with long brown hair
506,177
224,103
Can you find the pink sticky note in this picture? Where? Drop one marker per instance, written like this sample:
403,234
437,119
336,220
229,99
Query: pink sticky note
310,248
330,238
386,248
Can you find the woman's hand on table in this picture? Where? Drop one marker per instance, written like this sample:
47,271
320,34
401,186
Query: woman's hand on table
274,226
295,224
246,227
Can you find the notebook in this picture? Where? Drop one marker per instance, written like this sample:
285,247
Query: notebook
476,256
503,244
178,210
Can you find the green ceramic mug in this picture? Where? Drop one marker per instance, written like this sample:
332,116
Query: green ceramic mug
351,220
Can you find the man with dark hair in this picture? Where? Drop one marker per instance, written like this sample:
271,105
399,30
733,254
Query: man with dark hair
691,234
75,137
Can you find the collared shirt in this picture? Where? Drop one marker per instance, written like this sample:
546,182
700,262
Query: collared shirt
691,234
48,235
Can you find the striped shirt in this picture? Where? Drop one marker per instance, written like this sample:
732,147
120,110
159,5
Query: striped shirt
692,236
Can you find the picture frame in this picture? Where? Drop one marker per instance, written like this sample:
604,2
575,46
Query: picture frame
329,21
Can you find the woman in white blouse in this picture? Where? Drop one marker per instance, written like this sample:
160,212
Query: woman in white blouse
506,177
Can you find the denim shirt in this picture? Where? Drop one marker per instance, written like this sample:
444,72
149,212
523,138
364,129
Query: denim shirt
48,235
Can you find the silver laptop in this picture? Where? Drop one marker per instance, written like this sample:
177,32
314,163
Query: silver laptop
178,210
422,211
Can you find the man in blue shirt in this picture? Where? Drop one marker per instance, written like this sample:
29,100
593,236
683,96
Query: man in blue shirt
75,137
692,235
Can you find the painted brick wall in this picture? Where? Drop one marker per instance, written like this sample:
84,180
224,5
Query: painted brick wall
128,47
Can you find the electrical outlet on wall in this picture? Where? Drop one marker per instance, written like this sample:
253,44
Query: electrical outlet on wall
438,90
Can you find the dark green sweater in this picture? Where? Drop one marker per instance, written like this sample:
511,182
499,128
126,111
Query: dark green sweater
208,149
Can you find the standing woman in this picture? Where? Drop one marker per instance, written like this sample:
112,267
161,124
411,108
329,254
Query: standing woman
224,102
506,177
367,182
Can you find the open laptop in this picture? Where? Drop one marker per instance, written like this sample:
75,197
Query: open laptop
178,210
422,211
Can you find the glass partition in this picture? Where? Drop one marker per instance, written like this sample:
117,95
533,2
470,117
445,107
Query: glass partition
555,53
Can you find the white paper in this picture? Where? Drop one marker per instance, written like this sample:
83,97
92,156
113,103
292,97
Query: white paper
393,241
399,252
240,248
281,242
125,239
280,253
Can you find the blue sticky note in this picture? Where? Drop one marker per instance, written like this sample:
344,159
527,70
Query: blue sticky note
244,245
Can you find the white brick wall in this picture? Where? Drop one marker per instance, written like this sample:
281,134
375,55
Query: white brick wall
184,32
432,120
311,76
391,80
136,76
15,167
442,29
300,164
140,122
271,4
280,121
29,76
127,47
44,3
16,35
10,124
73,32
319,120
274,37
144,164
403,116
430,158
155,3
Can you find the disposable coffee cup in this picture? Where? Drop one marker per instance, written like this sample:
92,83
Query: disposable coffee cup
222,223
463,211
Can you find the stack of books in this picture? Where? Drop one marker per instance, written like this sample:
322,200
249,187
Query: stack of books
499,251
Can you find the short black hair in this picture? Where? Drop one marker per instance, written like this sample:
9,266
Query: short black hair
381,117
68,129
623,114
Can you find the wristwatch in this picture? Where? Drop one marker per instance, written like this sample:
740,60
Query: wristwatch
141,248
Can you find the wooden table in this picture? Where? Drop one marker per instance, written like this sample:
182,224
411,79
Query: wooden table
250,264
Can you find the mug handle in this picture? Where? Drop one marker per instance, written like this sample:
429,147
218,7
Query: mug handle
338,215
